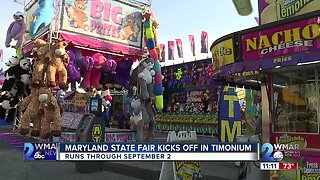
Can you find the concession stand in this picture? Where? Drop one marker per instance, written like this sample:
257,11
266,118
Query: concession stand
282,61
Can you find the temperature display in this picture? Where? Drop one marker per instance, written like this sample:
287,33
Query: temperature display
288,166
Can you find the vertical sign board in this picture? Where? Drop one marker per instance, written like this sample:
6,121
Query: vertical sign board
229,115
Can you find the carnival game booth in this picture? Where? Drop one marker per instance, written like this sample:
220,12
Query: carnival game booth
282,58
107,34
190,98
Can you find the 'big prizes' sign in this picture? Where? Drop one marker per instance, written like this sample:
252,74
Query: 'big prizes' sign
229,115
103,19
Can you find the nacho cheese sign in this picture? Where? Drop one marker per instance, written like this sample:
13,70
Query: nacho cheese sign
103,19
293,38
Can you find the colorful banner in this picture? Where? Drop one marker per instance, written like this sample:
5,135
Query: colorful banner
271,11
163,52
229,115
204,42
222,54
179,48
308,161
104,19
170,50
192,45
281,40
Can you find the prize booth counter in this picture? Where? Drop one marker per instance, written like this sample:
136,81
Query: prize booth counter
116,31
281,58
74,107
190,98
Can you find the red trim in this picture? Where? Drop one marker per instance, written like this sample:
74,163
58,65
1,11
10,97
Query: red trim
101,45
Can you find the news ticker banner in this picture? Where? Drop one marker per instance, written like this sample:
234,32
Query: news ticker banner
142,151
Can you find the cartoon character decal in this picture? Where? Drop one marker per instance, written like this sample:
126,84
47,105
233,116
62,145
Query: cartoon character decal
77,15
130,29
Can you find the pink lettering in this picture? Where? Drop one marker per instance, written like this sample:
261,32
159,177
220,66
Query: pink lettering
107,7
96,9
92,25
116,11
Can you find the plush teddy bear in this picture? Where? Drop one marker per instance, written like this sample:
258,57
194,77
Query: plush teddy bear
51,114
93,73
40,51
145,76
73,71
57,59
42,17
16,30
32,113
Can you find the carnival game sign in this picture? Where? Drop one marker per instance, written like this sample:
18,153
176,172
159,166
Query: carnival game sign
229,115
271,11
106,20
282,40
120,137
222,54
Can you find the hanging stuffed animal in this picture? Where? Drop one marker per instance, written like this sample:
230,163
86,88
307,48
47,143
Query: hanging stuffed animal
51,114
57,58
31,113
42,17
8,101
40,51
137,118
13,64
73,71
109,65
150,27
179,74
92,74
16,30
145,77
23,77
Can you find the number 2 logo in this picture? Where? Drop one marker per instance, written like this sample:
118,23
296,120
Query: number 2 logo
28,149
267,157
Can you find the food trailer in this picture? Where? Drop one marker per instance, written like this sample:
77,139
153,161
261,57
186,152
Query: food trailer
282,59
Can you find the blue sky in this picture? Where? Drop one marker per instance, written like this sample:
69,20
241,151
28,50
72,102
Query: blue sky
177,18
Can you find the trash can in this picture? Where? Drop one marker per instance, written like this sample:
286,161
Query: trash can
91,128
